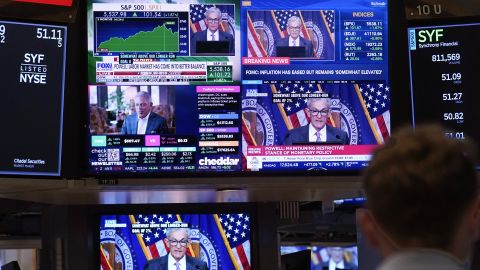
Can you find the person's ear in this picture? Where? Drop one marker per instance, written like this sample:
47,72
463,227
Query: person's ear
368,227
374,234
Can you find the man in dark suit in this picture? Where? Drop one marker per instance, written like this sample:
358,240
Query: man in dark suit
213,18
177,240
318,110
336,261
144,121
294,39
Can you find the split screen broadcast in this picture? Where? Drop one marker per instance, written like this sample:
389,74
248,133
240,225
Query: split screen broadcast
236,86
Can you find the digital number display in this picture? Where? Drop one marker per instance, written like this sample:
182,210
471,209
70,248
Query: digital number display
33,70
443,64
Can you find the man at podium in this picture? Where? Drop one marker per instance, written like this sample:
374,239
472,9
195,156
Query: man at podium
212,41
294,45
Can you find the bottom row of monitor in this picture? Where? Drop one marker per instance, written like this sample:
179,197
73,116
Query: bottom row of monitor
217,241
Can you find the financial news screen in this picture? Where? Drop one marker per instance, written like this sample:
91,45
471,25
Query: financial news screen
136,42
221,240
449,86
310,66
236,86
33,77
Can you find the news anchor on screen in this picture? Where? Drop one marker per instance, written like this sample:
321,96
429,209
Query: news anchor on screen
294,45
177,241
144,121
317,131
212,40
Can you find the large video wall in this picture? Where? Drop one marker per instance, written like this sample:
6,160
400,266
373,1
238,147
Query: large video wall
235,86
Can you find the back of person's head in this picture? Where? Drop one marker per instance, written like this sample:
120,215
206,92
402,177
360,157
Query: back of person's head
419,186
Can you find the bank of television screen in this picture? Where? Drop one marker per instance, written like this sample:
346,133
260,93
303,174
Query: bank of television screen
341,257
236,86
33,80
220,241
445,49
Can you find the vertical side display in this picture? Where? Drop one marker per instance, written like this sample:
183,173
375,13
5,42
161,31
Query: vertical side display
33,75
442,66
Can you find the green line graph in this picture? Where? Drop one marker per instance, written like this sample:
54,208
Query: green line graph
160,39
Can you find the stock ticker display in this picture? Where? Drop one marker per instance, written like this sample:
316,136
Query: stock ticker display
33,71
449,88
225,86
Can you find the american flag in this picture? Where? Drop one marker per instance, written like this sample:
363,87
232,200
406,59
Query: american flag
329,16
237,231
376,98
295,109
254,45
282,17
197,16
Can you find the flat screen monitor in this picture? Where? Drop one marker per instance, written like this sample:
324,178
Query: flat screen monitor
447,93
246,113
292,52
339,86
33,80
220,240
320,257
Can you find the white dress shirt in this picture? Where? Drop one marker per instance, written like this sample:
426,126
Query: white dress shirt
215,36
334,266
142,124
312,134
293,42
172,261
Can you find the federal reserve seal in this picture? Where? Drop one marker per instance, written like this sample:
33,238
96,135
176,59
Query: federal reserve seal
117,250
208,250
259,122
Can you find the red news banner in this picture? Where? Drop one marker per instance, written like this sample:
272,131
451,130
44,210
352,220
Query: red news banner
66,3
317,152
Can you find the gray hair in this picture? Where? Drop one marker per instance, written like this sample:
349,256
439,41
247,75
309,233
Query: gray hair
293,19
326,100
212,10
144,95
170,230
